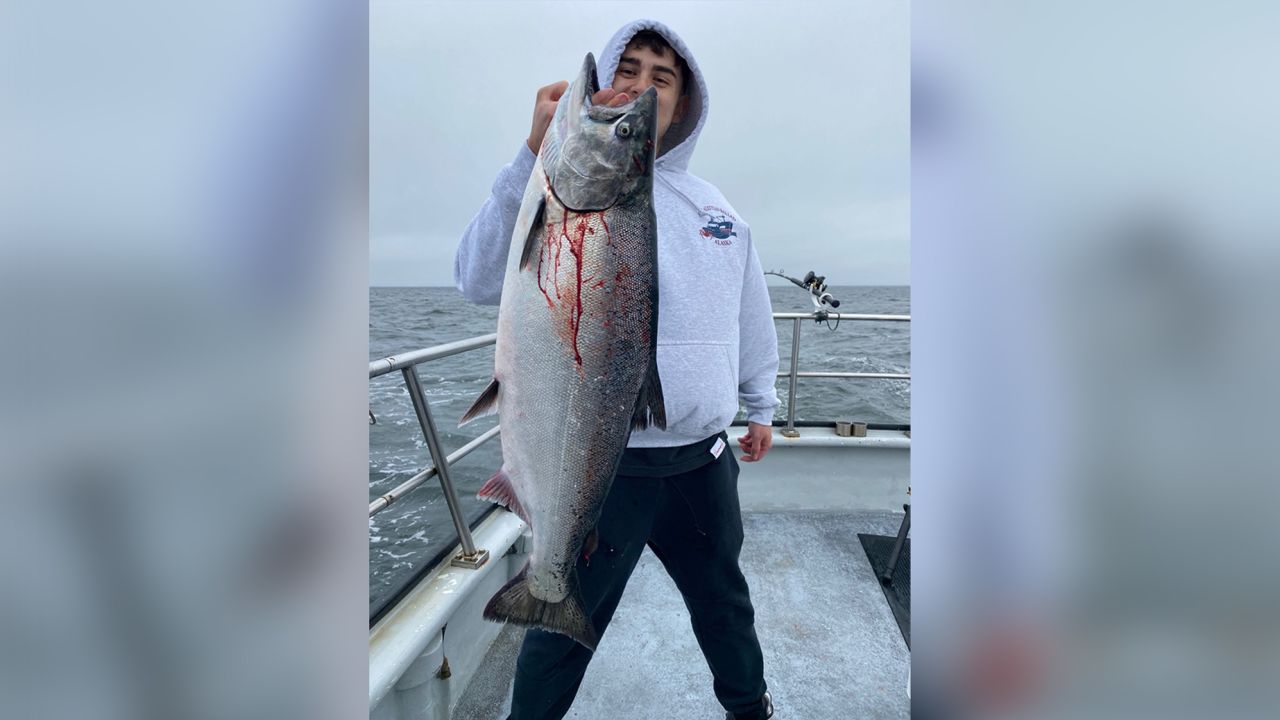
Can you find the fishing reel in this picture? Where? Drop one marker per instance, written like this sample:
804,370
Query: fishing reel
817,287
823,302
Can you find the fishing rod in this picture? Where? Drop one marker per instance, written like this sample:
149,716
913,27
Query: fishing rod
816,285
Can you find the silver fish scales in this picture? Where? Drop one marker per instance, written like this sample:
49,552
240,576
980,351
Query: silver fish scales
575,365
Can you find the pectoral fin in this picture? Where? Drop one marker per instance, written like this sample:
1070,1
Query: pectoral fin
532,238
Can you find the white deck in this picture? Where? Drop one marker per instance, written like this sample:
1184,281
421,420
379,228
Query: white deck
832,648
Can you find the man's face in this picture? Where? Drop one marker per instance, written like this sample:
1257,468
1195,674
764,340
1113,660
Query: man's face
641,68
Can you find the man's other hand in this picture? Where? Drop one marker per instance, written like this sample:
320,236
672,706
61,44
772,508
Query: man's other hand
544,109
610,97
756,443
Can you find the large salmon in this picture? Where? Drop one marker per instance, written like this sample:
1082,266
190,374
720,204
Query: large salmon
575,367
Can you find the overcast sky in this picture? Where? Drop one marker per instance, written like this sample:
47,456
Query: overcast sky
807,137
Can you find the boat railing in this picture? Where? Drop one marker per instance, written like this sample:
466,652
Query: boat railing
407,364
472,557
791,374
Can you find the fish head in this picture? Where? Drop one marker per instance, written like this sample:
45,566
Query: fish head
596,156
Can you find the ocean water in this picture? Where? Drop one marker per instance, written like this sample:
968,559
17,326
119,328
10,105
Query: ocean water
405,536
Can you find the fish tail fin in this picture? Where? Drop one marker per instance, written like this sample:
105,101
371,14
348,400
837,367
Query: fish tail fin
514,603
650,409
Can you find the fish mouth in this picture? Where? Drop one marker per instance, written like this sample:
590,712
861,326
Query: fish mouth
586,149
645,103
589,83
588,79
585,86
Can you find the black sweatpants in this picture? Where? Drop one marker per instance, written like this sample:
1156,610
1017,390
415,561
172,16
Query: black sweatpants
683,503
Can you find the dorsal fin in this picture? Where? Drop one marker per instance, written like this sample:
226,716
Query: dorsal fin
486,404
532,238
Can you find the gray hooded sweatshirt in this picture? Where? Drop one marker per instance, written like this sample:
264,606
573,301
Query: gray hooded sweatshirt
717,345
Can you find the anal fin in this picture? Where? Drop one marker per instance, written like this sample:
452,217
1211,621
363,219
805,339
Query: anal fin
590,545
498,489
650,407
486,404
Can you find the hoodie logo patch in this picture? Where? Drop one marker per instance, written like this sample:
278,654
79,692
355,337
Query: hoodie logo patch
718,226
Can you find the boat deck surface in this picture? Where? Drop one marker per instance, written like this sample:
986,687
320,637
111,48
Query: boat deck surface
831,646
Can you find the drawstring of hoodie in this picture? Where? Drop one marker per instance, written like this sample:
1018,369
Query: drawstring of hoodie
680,192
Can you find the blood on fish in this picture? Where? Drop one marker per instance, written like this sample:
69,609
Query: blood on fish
542,254
546,236
624,272
575,238
576,249
564,231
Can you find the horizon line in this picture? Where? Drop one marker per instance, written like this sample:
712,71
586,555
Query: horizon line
451,287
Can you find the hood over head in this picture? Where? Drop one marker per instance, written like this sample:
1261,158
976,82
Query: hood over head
682,136
595,155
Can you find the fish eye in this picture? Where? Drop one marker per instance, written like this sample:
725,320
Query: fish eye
624,130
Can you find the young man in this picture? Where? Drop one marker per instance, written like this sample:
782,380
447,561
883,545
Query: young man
676,489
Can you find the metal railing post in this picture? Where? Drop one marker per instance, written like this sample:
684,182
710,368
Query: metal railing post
470,557
790,430
385,501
